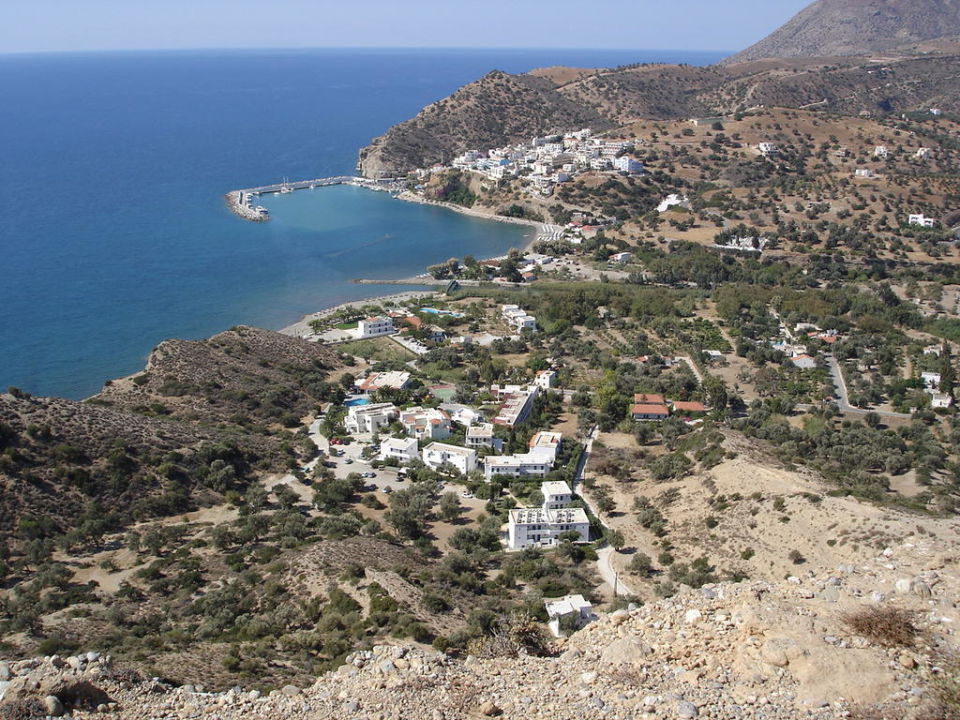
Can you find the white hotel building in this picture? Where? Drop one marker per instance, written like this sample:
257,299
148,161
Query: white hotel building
375,327
435,455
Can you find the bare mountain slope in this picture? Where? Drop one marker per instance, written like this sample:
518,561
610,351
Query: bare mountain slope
499,108
832,28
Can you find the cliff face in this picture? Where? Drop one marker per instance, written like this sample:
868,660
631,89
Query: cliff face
837,28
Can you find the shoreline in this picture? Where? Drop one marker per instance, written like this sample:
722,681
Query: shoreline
301,328
544,228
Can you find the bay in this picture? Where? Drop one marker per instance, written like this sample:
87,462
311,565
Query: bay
113,231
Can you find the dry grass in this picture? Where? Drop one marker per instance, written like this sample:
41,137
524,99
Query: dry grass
886,626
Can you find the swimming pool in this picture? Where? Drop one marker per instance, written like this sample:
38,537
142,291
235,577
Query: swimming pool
435,311
353,402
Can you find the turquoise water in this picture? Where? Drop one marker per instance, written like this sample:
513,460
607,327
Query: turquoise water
113,231
356,401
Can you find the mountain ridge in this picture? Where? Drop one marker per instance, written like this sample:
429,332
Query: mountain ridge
843,28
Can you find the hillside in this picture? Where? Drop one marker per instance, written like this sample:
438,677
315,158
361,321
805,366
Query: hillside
197,423
236,377
502,109
817,647
839,28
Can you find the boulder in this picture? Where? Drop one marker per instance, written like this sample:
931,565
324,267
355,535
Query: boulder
625,651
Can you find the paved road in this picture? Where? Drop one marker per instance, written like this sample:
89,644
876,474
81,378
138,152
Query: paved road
609,575
843,399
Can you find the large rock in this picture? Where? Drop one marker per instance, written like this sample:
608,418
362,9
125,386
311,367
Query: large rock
625,651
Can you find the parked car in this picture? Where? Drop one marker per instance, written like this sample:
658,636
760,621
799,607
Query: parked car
348,461
369,474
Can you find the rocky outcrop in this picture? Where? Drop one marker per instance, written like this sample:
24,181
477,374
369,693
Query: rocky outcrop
836,28
747,650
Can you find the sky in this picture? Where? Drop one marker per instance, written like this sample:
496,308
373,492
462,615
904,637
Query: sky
90,25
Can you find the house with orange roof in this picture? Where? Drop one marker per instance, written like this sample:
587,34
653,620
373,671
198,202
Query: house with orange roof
689,408
650,411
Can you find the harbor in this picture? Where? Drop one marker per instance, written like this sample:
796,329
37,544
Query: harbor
244,202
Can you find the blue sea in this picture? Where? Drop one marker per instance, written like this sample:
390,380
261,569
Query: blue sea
113,230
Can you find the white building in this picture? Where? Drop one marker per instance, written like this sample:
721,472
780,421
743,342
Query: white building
671,201
525,465
621,257
546,379
518,318
516,404
863,173
529,527
546,444
425,423
370,418
556,495
572,610
881,152
922,221
627,164
923,153
435,455
767,148
394,380
403,450
804,362
940,400
479,436
375,327
931,380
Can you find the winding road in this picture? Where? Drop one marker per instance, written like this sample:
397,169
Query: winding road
843,398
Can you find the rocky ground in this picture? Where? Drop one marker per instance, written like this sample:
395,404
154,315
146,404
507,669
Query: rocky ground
747,650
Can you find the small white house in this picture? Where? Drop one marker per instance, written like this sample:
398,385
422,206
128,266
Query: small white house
436,455
768,148
556,495
573,611
621,258
931,380
922,221
940,400
804,362
881,152
923,153
546,379
375,327
403,450
864,173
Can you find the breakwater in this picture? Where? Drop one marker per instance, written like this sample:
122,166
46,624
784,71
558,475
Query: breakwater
243,202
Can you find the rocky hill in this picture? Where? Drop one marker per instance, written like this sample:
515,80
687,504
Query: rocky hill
866,642
198,422
501,108
244,374
838,28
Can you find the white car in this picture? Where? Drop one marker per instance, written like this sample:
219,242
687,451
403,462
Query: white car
466,495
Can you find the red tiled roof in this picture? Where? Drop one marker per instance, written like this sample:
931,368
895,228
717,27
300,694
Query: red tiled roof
650,409
689,407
